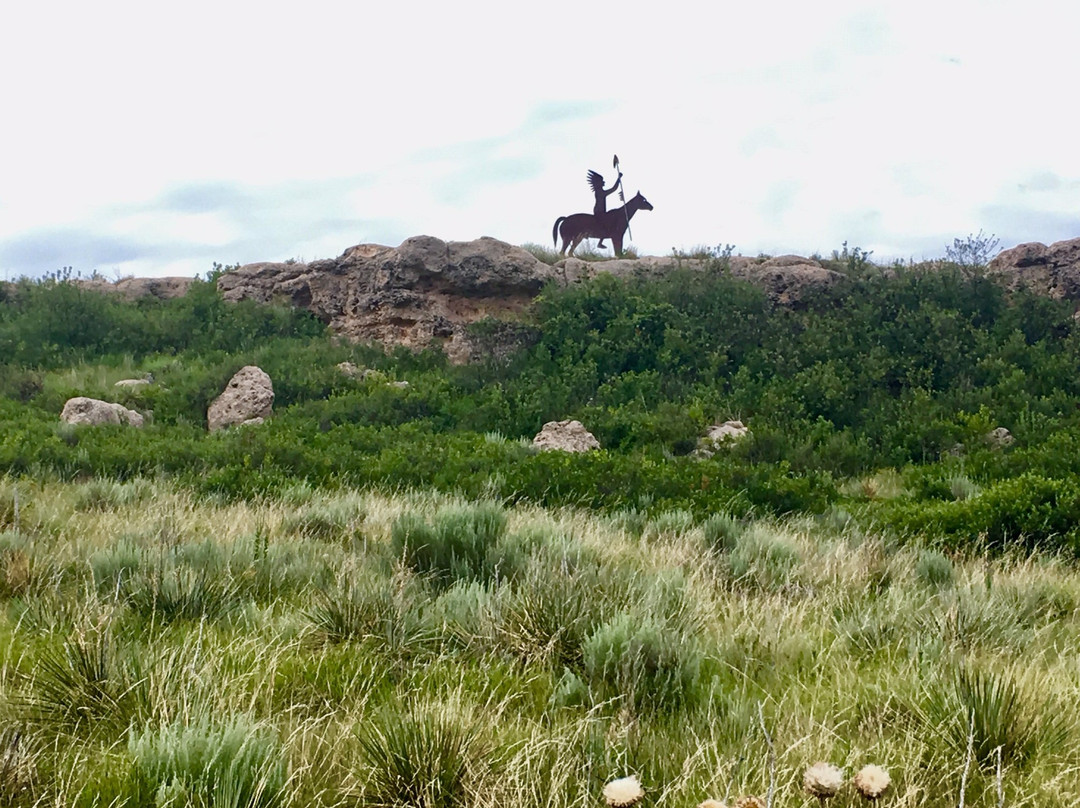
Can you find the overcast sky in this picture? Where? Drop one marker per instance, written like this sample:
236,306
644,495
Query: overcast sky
155,139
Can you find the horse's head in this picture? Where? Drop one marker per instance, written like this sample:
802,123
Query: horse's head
640,203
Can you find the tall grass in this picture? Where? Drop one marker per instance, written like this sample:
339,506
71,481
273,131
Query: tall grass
163,650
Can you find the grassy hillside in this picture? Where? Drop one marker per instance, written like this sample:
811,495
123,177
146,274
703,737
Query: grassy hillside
385,596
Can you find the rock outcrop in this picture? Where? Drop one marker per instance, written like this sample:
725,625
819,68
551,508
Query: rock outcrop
428,291
246,400
1053,271
138,288
565,436
786,279
424,291
94,412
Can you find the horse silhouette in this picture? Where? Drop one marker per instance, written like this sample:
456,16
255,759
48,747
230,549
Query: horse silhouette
611,224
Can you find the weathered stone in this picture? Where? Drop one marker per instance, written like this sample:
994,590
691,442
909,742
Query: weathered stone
720,435
348,369
565,436
249,395
1053,271
138,288
94,412
132,383
999,438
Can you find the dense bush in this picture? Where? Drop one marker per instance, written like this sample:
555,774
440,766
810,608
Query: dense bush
908,368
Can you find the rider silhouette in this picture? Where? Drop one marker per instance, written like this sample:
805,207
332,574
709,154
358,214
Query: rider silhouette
596,182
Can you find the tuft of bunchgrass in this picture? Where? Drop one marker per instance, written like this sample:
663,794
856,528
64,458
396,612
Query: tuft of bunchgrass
722,532
169,592
16,565
325,521
934,569
430,754
105,494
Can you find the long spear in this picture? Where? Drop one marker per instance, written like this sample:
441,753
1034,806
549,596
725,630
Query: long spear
622,197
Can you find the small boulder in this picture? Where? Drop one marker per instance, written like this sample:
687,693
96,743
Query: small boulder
565,436
349,369
398,385
132,384
720,435
999,438
92,412
249,395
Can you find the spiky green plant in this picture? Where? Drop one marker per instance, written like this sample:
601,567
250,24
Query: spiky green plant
989,710
427,754
86,684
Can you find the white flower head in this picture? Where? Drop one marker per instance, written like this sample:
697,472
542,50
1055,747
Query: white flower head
624,792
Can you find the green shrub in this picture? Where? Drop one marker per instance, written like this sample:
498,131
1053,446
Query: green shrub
642,660
934,569
1028,511
460,543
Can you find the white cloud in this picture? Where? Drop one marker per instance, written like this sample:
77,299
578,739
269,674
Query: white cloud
780,127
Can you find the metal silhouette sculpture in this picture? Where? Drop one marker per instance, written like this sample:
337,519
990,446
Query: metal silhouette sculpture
596,182
611,224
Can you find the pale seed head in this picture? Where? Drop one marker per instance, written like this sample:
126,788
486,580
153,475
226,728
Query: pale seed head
711,804
871,781
624,792
750,802
823,780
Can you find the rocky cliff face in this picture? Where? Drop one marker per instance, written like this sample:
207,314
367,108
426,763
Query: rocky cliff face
428,291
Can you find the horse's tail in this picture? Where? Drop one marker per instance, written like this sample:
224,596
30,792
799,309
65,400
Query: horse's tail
555,231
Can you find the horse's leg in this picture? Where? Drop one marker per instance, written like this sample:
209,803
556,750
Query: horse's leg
576,242
616,242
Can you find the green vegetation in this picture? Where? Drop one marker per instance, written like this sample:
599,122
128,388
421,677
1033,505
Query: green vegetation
385,596
906,369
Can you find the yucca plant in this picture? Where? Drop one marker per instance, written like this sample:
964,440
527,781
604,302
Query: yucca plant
988,709
424,755
85,684
385,609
